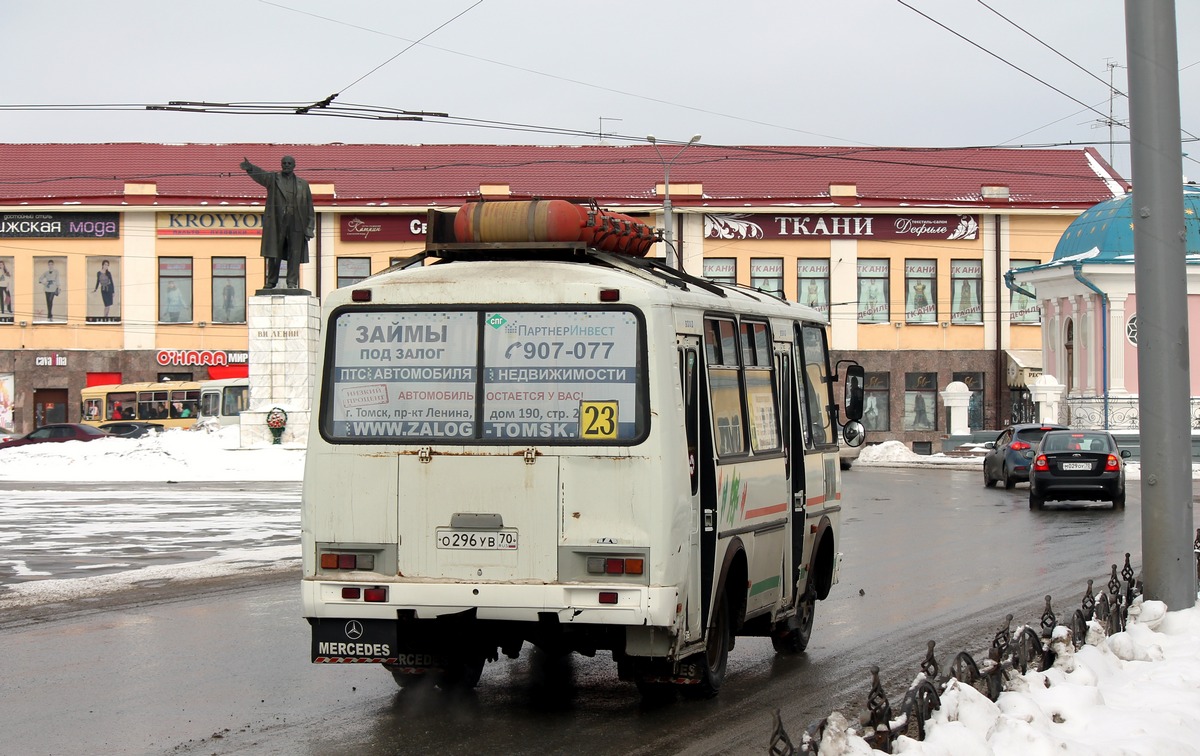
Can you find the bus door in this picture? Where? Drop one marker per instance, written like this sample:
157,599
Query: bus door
820,441
792,412
700,467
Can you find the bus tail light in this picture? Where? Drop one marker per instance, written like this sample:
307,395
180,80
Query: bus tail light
332,560
608,597
599,565
351,593
375,594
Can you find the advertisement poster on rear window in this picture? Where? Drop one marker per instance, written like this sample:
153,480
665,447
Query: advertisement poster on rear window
491,376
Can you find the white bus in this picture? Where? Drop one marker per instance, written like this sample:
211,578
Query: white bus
583,450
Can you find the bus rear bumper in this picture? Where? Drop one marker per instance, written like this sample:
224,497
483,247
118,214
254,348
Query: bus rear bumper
592,604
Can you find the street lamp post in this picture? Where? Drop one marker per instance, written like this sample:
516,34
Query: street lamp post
667,221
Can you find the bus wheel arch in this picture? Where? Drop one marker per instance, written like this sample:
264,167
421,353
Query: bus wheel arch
734,584
726,617
823,560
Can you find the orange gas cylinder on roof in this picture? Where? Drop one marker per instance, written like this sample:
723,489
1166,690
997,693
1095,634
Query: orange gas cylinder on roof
512,221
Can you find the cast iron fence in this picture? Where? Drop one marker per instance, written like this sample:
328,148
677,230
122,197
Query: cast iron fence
1011,651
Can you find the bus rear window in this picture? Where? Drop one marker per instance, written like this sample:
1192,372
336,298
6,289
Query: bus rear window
485,376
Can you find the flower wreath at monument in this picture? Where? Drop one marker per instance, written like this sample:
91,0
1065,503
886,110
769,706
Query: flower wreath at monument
276,421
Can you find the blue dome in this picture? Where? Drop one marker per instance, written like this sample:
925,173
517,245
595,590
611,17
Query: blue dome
1108,227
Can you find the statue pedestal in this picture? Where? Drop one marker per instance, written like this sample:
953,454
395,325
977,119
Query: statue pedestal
284,334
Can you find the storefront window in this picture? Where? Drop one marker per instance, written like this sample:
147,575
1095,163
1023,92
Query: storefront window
766,275
920,287
175,289
974,381
721,269
7,269
877,402
920,401
1023,309
50,289
873,291
351,270
104,293
229,290
812,284
966,283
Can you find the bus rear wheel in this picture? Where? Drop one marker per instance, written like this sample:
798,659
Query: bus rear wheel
713,662
792,635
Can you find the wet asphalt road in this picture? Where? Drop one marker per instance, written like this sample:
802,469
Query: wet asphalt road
929,554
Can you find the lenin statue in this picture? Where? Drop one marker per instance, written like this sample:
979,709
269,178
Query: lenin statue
288,220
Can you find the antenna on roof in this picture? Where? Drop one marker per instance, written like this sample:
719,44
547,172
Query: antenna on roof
602,120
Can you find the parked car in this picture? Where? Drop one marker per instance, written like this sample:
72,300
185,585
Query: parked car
57,433
847,455
8,433
1073,465
1007,459
131,429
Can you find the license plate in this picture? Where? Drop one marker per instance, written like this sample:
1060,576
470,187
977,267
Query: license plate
1077,465
498,540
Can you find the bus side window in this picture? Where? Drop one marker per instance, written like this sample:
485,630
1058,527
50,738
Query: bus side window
689,380
816,380
725,387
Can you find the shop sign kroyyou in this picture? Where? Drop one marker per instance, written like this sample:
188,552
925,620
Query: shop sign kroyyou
185,357
841,226
59,226
210,224
382,228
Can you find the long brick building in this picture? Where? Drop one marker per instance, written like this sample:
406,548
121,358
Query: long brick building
905,250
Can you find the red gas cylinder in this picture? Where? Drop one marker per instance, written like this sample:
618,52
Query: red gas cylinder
551,221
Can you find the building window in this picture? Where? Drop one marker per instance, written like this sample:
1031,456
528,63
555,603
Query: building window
721,269
7,287
104,293
49,289
966,283
229,290
973,381
766,275
812,284
873,291
920,401
351,270
406,262
920,287
175,289
1022,308
877,415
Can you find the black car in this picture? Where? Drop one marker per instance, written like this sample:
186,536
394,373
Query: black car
1072,465
1008,457
131,429
57,433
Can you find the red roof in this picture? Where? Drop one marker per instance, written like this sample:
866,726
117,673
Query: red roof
399,175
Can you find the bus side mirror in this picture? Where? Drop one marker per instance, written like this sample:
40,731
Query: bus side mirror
853,400
853,433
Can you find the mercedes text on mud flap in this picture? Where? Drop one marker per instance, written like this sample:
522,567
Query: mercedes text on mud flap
563,443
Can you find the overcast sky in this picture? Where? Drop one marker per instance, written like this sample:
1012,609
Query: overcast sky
867,72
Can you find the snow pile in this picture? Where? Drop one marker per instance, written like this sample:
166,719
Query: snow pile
173,455
1137,692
